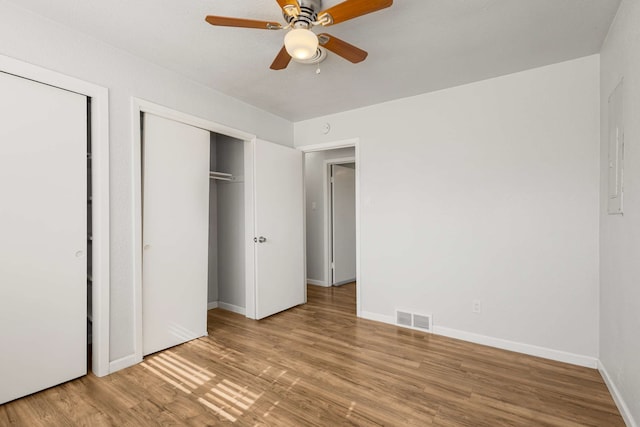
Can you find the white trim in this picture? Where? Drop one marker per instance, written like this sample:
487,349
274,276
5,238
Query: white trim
211,305
617,396
328,214
233,308
379,318
345,143
317,283
353,142
250,228
124,362
358,234
100,193
305,272
178,116
532,350
344,282
139,106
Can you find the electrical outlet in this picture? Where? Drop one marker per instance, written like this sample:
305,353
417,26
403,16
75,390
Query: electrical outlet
477,307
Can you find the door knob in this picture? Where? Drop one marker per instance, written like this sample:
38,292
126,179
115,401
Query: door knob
262,239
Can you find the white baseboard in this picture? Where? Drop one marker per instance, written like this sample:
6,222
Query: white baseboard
211,305
344,282
233,308
617,397
532,350
123,362
379,317
317,283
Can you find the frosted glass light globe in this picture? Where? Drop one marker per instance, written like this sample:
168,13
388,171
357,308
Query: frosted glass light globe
301,43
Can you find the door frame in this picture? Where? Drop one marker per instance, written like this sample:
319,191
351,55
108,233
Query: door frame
345,143
139,106
99,118
328,215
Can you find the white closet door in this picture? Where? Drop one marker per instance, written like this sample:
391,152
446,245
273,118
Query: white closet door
280,281
43,240
175,233
343,203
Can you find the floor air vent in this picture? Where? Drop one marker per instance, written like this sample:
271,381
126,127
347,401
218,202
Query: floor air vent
403,318
422,322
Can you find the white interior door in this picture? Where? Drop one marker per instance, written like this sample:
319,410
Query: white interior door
175,233
279,228
343,205
43,236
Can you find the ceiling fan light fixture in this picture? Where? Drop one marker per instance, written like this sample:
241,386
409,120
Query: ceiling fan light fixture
301,43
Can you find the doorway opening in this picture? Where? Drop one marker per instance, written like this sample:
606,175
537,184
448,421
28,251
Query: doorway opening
341,214
332,221
226,279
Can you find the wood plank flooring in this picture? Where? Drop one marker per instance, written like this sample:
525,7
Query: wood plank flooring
319,365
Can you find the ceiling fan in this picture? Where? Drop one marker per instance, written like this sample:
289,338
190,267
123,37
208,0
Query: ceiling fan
302,44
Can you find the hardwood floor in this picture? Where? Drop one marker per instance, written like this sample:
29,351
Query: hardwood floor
318,364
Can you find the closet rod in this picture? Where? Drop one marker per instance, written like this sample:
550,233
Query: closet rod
221,176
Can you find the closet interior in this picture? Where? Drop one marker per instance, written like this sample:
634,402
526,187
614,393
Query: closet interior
226,279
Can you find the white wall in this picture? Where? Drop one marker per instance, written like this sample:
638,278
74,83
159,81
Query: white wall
486,191
620,235
314,164
36,40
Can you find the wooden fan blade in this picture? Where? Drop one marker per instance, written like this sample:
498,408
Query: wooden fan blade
282,60
290,7
244,23
350,9
342,48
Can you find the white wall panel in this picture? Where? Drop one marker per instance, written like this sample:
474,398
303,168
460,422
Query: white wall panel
487,191
620,234
43,236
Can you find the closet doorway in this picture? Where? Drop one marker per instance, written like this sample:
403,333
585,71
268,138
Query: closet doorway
332,214
244,195
193,229
54,233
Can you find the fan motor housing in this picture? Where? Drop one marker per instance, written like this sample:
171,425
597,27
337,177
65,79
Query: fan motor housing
308,14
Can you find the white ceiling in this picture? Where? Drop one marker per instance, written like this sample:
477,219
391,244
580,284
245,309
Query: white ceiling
415,46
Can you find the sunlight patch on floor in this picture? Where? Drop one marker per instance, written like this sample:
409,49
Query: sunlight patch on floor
177,371
275,404
351,408
227,399
210,347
